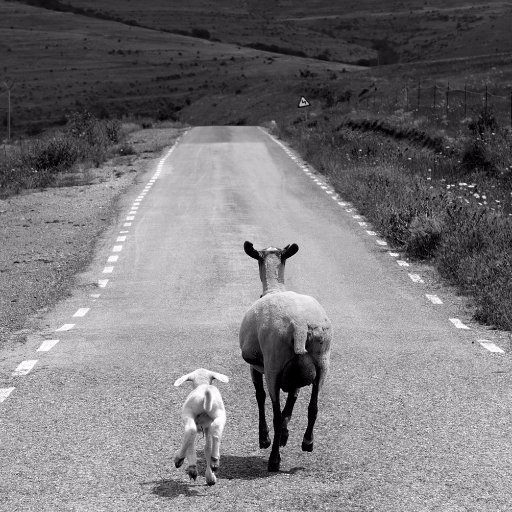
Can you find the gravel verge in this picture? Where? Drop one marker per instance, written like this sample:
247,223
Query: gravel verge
48,236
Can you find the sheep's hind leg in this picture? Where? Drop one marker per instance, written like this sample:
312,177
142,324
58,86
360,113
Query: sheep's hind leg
307,442
257,379
210,477
287,414
188,439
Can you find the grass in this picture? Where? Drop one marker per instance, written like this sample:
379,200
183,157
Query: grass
37,163
452,208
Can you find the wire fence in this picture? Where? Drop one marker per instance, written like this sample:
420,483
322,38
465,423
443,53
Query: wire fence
438,101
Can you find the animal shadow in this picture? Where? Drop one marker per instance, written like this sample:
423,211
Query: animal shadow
232,467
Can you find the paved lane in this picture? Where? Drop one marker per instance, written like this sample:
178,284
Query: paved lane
414,416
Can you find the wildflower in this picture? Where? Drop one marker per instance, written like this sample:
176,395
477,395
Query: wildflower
484,197
476,195
463,184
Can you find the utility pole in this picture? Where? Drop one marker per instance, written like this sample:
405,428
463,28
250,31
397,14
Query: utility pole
9,84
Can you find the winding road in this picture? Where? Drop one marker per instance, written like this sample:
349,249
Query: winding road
415,414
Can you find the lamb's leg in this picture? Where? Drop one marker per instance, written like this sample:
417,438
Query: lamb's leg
274,460
257,379
216,429
287,414
210,477
188,448
307,442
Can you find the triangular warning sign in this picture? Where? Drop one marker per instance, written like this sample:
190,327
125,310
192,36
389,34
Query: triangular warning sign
303,102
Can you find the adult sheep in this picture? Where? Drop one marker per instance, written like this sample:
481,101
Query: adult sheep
285,336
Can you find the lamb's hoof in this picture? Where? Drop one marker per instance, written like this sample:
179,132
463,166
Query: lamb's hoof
192,472
273,465
265,441
214,464
307,447
284,438
211,480
178,461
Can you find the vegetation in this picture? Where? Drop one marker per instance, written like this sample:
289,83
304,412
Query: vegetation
453,208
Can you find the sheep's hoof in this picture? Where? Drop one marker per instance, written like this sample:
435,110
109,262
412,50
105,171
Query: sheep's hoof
192,472
265,441
214,464
307,447
211,480
273,465
284,437
178,461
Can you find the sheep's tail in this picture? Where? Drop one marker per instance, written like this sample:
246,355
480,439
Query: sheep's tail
300,336
208,401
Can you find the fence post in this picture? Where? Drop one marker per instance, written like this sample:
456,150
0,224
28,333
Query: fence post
435,91
510,108
465,99
406,97
447,97
419,93
486,99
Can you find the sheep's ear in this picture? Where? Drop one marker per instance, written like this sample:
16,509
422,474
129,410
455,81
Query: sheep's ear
183,379
220,377
251,251
289,251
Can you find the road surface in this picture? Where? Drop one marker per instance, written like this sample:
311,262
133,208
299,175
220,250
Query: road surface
415,415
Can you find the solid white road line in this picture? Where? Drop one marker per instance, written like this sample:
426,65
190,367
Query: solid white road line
457,323
24,367
434,299
47,345
65,327
5,392
82,312
491,347
102,283
415,278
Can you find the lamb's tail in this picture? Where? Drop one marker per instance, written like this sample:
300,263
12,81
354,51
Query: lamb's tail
300,336
208,401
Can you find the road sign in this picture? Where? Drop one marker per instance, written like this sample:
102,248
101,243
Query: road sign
303,103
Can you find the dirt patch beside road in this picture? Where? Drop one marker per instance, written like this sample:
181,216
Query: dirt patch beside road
48,236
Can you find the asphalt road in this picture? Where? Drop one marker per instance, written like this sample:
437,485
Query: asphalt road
415,414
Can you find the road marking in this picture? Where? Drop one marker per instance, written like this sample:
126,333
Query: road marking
102,283
117,248
381,242
108,270
127,224
416,278
47,345
342,204
24,367
324,187
95,295
130,217
357,217
125,231
113,258
457,323
491,347
371,233
434,299
393,254
5,392
363,224
402,263
81,312
348,210
121,238
329,192
65,327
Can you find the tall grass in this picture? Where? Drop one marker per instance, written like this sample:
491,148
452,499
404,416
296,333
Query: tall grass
37,163
451,206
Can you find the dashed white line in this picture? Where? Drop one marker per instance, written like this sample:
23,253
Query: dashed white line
5,392
113,258
108,270
416,278
81,312
342,204
381,242
457,323
403,263
491,347
393,254
124,231
130,217
24,367
363,224
102,283
371,233
117,248
357,217
47,345
434,299
127,224
121,238
65,327
95,295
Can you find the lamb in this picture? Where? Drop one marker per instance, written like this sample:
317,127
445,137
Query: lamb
285,336
203,408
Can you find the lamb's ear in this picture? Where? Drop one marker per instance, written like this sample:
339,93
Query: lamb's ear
251,251
289,251
220,377
183,379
